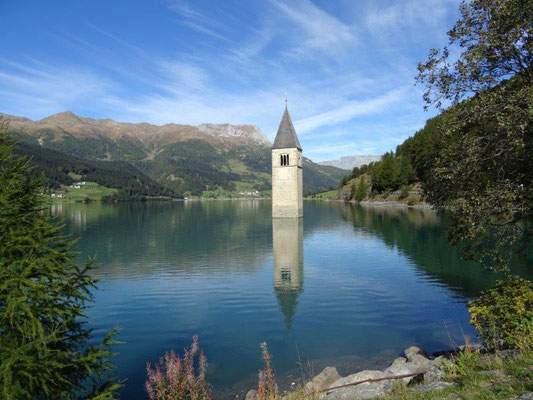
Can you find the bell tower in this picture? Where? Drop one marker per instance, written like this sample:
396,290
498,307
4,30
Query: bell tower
287,185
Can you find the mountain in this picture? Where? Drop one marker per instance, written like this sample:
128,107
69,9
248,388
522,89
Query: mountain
59,169
350,162
182,158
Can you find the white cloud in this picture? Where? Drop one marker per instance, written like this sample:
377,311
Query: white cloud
350,110
37,89
357,88
196,20
315,29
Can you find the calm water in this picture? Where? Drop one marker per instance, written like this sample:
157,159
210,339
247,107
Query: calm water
347,286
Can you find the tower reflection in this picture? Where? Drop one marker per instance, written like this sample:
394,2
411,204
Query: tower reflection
287,249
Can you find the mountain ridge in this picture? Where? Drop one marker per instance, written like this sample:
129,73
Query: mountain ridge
350,162
186,159
144,131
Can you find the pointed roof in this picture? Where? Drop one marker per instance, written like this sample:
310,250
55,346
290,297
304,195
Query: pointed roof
288,300
286,137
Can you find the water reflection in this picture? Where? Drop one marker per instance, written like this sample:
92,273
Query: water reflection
377,280
420,235
287,250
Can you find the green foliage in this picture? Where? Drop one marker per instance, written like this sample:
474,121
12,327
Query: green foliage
505,312
330,194
344,181
482,173
160,169
62,169
478,377
421,149
353,190
474,160
494,39
406,174
361,191
385,173
45,350
89,192
404,193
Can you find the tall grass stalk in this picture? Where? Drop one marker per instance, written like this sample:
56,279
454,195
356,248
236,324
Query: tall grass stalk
179,378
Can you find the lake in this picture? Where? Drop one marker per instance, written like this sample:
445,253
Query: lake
348,286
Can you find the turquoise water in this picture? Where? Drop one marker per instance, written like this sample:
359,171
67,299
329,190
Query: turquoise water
347,286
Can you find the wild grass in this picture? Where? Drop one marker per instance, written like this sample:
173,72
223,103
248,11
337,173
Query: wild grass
475,375
330,194
179,377
479,376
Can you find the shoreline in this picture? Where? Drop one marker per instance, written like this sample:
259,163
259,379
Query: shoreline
365,203
372,203
414,374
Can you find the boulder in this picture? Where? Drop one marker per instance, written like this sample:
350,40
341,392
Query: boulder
472,347
323,380
525,396
366,390
438,361
413,351
404,369
420,362
251,395
434,374
399,360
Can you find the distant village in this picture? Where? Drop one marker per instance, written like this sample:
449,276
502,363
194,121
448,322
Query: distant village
75,185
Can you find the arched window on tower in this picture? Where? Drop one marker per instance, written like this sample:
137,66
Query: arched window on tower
284,160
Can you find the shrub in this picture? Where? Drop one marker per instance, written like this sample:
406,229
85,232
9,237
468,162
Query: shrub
267,389
176,378
353,191
404,193
361,191
412,200
505,312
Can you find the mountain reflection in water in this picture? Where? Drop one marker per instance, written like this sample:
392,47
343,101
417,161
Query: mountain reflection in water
346,286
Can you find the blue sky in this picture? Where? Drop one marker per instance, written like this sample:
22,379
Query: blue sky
347,66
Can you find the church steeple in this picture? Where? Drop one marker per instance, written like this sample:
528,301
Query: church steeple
286,137
287,164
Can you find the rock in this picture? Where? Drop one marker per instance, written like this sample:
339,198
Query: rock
434,374
525,396
412,351
508,353
421,362
404,369
472,347
438,361
429,387
251,395
366,390
323,380
399,360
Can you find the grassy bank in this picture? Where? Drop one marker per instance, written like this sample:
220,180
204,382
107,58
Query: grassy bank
503,375
91,191
409,196
329,195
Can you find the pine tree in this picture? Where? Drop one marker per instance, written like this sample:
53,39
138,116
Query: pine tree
362,190
44,343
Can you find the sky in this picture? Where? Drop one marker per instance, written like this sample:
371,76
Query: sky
347,67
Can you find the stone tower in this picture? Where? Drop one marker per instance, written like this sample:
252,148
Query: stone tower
287,185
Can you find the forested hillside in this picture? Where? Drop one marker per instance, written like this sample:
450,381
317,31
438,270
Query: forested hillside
419,158
56,166
149,160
